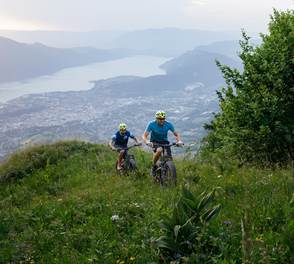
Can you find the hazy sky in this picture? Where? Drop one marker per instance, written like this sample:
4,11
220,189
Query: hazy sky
87,15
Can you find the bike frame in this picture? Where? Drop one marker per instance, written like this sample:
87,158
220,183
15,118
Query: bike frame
161,167
128,157
163,146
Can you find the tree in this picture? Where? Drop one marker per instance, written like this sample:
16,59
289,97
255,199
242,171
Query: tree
256,119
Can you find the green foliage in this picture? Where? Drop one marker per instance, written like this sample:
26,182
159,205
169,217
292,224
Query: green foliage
256,121
78,210
183,231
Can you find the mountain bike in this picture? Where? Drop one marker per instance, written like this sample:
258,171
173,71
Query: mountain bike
128,163
166,174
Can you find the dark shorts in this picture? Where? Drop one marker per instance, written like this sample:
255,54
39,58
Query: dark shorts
167,150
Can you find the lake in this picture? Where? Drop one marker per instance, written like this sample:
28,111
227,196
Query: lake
79,78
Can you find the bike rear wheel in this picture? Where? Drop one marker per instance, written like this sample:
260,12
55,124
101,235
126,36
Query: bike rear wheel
169,175
132,165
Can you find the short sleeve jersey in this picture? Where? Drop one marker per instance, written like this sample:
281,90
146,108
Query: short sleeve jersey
122,140
159,133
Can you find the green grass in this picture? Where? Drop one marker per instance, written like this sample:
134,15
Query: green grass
56,204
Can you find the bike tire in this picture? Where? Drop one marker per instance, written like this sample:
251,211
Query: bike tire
132,165
169,175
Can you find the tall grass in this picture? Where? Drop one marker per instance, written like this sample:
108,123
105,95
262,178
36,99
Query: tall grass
64,203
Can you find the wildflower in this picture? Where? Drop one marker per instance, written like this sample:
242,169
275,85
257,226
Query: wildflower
114,218
227,222
132,258
259,239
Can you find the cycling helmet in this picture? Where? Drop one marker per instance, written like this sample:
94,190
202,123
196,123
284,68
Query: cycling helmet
122,127
160,114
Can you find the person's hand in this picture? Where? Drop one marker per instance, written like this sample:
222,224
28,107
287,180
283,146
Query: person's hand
149,144
180,143
113,148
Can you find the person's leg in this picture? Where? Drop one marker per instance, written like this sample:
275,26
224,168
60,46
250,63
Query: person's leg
120,159
156,155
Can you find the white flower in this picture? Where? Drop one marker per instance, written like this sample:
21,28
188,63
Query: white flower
114,218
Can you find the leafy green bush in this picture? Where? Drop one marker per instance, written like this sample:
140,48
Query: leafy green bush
184,230
256,120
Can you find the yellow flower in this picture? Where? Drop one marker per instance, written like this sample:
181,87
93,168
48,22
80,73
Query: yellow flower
132,258
259,239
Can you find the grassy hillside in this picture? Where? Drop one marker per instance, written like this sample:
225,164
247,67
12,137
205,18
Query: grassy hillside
64,203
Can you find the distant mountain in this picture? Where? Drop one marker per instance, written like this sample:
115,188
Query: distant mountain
170,41
198,65
195,69
192,70
229,48
20,61
64,39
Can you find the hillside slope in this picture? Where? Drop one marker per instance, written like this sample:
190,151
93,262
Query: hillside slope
58,204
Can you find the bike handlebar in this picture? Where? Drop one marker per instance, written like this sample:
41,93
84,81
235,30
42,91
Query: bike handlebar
133,146
167,145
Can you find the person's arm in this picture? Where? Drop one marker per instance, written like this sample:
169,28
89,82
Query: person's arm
176,134
111,144
134,138
178,137
145,139
145,136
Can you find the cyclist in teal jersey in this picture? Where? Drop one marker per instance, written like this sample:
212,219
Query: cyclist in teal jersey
159,134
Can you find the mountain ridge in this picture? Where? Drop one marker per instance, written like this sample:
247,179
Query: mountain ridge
20,61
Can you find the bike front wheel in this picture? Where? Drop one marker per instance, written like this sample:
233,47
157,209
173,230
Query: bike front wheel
169,174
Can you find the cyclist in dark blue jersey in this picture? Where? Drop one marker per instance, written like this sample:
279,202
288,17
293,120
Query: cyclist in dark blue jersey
159,134
120,141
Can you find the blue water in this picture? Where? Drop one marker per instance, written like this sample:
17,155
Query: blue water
79,78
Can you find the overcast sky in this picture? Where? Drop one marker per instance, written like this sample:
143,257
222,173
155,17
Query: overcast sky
88,15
